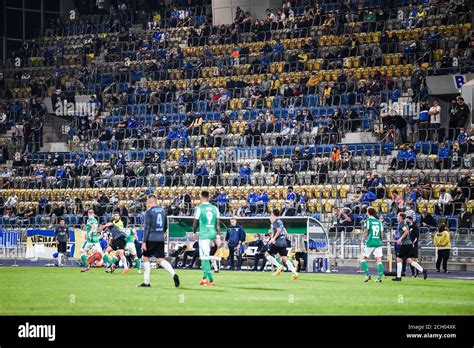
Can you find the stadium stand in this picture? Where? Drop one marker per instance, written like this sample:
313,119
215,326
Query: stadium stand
259,112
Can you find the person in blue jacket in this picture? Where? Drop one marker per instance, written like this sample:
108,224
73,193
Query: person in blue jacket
443,161
411,157
262,201
252,199
222,201
235,238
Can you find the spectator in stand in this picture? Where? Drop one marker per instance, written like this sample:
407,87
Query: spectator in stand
457,155
442,243
262,201
244,175
458,200
405,158
346,157
345,221
201,175
244,210
43,206
427,221
368,180
336,159
465,220
445,203
424,121
252,199
222,201
443,161
435,122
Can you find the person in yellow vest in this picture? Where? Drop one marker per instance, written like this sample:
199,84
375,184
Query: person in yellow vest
442,242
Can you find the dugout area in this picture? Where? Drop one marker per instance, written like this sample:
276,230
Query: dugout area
306,234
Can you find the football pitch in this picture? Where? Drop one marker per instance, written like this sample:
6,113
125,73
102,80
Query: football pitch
66,291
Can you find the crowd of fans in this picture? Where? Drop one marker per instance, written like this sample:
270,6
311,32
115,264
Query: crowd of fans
175,98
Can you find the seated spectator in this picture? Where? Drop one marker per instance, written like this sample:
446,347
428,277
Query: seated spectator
368,180
336,159
244,210
252,199
345,221
458,200
244,175
201,175
456,156
443,160
222,201
445,204
427,221
262,201
43,206
405,159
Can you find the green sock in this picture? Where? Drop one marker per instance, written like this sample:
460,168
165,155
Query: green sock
113,261
209,273
380,270
107,259
205,267
84,261
365,267
137,263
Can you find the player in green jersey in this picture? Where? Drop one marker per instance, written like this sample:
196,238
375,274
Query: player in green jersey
130,236
373,245
207,226
92,239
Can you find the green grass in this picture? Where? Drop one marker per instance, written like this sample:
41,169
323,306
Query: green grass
66,291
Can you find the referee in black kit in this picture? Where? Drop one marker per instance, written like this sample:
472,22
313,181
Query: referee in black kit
61,237
153,244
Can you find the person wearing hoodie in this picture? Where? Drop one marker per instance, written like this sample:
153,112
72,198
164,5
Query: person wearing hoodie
442,242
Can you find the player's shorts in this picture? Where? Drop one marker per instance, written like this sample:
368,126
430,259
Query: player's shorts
131,248
204,249
415,251
406,251
273,250
88,246
118,243
156,249
62,247
377,251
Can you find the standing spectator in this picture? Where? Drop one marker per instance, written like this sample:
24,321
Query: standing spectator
61,237
442,242
435,122
235,238
465,220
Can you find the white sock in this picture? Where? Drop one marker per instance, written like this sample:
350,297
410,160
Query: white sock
272,260
166,265
214,265
399,269
291,267
124,261
146,272
417,266
60,257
